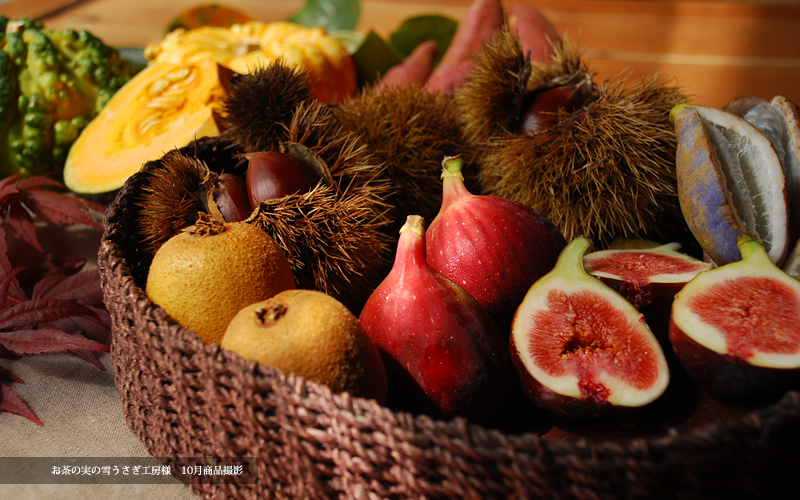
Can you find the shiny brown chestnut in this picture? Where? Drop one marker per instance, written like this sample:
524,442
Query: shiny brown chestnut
541,106
231,197
272,174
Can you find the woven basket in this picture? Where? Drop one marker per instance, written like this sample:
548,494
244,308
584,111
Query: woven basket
186,399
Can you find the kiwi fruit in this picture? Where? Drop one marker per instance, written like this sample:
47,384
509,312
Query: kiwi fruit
334,235
209,271
311,334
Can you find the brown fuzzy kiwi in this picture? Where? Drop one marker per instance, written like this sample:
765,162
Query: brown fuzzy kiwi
334,235
605,170
260,105
209,271
309,333
410,131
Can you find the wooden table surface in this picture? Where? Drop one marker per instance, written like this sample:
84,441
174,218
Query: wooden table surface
716,50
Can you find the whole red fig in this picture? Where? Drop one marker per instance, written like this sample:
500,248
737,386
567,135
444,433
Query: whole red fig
493,247
443,353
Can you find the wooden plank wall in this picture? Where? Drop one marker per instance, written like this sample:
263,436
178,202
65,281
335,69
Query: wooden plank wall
716,50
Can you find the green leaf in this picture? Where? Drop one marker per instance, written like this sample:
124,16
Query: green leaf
351,39
416,30
330,14
371,54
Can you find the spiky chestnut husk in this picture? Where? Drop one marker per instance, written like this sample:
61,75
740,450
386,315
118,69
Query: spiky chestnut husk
606,170
334,235
172,198
261,104
177,188
493,95
410,131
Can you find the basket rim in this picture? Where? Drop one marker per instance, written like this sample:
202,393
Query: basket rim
110,250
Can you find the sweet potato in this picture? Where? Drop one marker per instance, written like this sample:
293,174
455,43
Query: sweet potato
415,69
483,19
535,32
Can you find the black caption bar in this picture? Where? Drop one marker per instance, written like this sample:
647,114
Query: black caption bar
128,470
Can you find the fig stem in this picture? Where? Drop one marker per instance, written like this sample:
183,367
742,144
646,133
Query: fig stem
411,249
751,248
414,223
453,180
570,263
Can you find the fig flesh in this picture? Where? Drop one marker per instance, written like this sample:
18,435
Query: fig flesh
730,182
580,348
649,278
443,353
493,247
734,328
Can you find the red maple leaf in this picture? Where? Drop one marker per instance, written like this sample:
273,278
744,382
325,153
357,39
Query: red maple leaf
65,311
22,196
10,401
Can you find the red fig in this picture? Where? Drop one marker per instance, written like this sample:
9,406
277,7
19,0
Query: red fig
443,353
493,247
648,277
580,348
735,328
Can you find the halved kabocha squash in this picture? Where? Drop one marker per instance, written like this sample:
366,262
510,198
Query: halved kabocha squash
163,107
254,44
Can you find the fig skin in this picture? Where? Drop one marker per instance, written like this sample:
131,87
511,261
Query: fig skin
765,361
582,350
493,247
727,376
443,354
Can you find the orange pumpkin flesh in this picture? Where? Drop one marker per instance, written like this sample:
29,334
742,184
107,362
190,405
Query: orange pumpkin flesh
244,47
165,106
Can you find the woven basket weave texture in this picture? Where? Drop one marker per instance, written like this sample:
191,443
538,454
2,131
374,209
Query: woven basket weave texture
183,398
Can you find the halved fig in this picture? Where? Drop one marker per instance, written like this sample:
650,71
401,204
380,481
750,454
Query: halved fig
643,275
648,277
735,328
730,182
580,348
